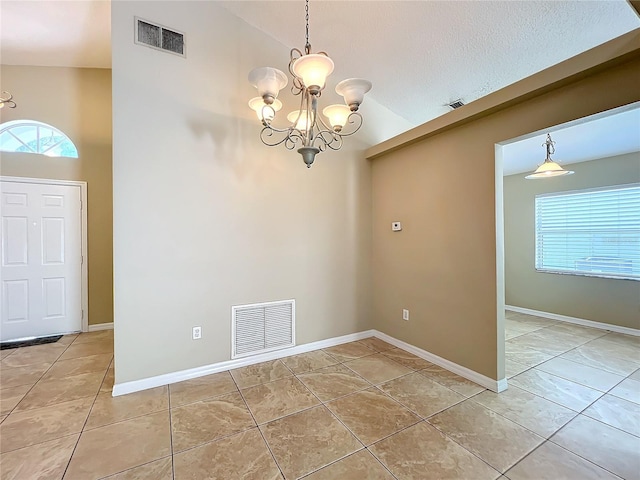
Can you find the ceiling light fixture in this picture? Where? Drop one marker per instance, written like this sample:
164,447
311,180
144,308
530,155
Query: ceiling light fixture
549,168
6,99
307,130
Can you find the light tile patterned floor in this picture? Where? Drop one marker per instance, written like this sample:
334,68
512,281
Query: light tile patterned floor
363,410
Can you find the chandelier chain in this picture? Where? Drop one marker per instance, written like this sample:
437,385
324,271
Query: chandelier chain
307,47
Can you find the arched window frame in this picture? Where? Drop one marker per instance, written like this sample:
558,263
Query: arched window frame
24,136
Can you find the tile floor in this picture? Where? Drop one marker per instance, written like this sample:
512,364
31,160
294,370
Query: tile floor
363,410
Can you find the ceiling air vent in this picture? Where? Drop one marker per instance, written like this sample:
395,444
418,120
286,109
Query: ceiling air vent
262,327
456,104
159,37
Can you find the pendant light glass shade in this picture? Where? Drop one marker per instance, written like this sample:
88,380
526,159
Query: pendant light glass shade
337,115
313,69
353,90
263,111
269,81
548,169
300,118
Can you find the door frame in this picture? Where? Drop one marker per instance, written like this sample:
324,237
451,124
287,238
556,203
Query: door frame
83,220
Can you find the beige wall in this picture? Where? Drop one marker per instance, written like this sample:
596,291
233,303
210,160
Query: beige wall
78,102
605,300
442,266
205,216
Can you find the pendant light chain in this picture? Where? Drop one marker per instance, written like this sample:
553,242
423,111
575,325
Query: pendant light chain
551,149
307,47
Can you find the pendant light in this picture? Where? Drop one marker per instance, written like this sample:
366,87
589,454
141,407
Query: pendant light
549,168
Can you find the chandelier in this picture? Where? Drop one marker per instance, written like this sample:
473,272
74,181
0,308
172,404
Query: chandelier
549,168
307,129
6,99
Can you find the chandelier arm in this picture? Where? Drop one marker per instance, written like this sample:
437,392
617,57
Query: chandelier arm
267,132
292,140
353,119
328,139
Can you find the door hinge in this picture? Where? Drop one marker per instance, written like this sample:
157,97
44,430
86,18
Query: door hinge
82,314
81,259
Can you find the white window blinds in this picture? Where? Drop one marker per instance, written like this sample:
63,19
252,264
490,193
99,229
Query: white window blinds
589,232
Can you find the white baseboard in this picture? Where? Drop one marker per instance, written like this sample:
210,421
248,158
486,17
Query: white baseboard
493,385
101,326
169,378
575,320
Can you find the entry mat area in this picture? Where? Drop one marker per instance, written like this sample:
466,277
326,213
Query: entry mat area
29,343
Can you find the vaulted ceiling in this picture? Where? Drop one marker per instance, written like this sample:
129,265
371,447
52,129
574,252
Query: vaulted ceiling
420,55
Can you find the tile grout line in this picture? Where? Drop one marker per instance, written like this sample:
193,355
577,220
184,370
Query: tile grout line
173,468
254,421
475,454
33,386
563,448
41,376
581,412
66,468
323,404
376,386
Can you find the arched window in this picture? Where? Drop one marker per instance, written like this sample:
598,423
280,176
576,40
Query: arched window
35,137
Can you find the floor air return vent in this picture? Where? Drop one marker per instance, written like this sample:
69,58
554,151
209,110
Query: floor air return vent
262,327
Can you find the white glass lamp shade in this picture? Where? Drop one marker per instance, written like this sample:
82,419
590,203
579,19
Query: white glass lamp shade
269,81
300,118
313,69
337,115
353,90
548,169
262,109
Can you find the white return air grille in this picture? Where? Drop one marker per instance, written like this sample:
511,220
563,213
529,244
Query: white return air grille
262,327
159,37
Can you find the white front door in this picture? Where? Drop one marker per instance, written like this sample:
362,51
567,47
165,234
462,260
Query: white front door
41,275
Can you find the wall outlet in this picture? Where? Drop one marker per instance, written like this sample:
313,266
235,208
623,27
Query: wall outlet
405,314
197,333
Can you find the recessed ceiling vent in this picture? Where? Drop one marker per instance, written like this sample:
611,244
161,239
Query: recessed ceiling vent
456,104
262,327
159,37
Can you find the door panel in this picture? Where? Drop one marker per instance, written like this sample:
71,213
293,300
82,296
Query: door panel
16,293
52,241
41,260
54,301
14,241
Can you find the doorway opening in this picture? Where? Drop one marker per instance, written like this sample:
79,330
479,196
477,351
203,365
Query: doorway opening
563,303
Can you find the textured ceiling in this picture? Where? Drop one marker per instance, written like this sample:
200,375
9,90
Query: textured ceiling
420,55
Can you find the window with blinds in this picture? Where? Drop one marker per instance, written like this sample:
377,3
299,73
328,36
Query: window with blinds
592,232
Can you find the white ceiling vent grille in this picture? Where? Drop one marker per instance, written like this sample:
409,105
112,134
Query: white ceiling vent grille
262,327
159,37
